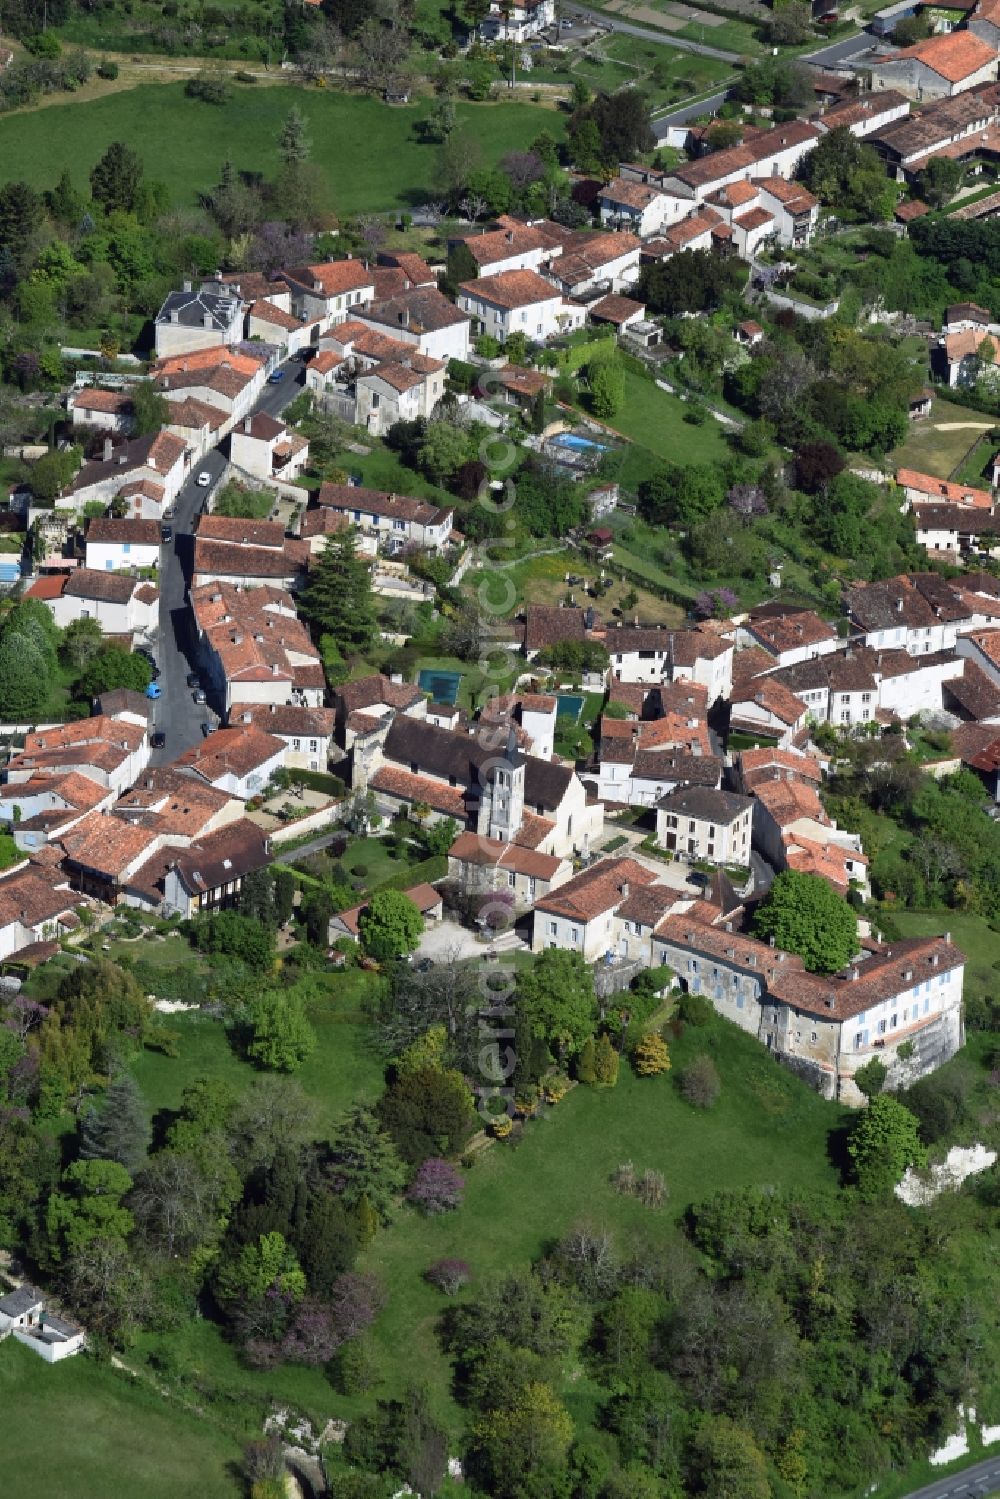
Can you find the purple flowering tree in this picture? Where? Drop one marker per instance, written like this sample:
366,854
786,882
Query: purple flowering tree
313,1337
747,501
448,1275
437,1187
355,1302
24,1015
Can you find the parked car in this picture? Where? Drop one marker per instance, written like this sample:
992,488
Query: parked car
199,695
193,679
204,479
276,377
206,728
166,533
157,740
154,690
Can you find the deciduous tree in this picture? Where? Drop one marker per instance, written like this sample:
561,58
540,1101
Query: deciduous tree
805,915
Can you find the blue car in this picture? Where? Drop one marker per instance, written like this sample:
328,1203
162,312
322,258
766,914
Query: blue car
276,378
154,690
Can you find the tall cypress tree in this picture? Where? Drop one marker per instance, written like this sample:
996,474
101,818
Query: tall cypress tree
338,599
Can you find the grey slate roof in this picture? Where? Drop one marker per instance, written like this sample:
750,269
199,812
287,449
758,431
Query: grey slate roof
193,307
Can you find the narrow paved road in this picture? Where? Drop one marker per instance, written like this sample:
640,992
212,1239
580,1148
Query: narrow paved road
974,1482
176,715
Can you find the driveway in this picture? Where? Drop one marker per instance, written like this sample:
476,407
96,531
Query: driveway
446,941
175,714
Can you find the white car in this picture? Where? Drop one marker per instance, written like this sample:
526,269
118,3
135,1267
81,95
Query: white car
204,479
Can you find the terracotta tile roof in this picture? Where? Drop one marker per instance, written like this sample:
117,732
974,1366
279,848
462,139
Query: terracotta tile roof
963,345
93,398
78,792
905,213
953,56
737,158
403,376
418,788
914,600
616,309
533,831
365,692
414,267
502,244
787,801
85,731
637,195
137,532
257,533
603,887
548,625
975,693
791,631
234,751
422,309
31,900
227,854
108,845
288,720
857,111
471,848
828,860
756,218
224,559
792,195
772,696
350,498
48,586
693,227
325,361
668,767
753,762
588,254
939,489
734,194
267,312
145,487
510,289
749,663
322,522
254,632
523,382
684,648
334,277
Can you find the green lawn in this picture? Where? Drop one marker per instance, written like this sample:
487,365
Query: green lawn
370,154
542,580
768,1128
654,420
977,940
343,1070
730,36
79,1431
938,444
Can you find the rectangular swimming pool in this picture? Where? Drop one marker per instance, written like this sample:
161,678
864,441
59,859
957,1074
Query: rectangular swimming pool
569,706
442,685
10,570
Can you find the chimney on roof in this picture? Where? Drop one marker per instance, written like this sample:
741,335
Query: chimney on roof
247,424
186,285
854,975
108,449
624,889
175,316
